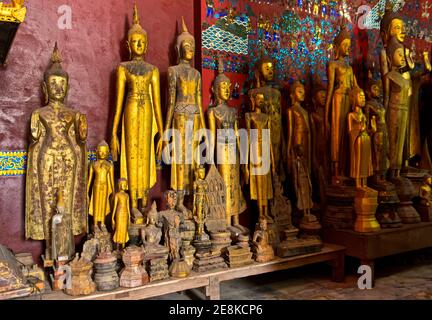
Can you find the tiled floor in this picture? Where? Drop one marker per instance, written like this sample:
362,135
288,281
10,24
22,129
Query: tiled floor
406,276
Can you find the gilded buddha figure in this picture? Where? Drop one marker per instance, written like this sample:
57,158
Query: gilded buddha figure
264,75
121,215
185,116
359,140
102,172
57,160
261,166
399,91
138,111
222,119
341,80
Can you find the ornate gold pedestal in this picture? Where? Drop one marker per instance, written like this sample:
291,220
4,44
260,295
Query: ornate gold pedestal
366,204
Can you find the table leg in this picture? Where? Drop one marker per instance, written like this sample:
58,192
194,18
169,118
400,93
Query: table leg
338,268
213,289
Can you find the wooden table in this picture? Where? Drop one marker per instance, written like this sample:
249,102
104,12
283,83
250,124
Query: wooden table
210,281
369,246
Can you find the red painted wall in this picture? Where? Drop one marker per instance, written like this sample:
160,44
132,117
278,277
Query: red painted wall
91,50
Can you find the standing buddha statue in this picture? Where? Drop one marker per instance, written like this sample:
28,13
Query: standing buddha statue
341,80
102,171
227,145
185,116
57,160
260,168
138,110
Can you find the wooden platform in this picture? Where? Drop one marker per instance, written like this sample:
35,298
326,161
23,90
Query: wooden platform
369,246
332,254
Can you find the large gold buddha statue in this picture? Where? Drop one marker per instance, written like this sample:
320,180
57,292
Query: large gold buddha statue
341,80
138,110
57,160
227,145
185,116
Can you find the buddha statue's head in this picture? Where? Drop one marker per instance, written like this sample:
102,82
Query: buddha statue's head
258,101
263,224
357,98
122,184
56,80
374,89
170,198
102,151
396,53
392,25
221,85
137,37
200,173
264,71
185,44
152,215
342,43
427,180
297,92
320,96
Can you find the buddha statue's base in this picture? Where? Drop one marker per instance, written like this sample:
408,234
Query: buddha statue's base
310,225
158,269
208,261
388,202
179,269
220,240
237,256
82,283
106,277
339,212
293,246
133,275
366,204
406,192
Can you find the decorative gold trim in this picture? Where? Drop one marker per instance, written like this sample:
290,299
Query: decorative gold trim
13,12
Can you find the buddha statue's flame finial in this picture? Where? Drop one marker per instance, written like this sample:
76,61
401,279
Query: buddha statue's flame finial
220,65
184,27
56,57
136,19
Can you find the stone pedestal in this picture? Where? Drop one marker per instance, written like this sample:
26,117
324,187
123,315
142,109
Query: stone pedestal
237,256
106,277
366,203
293,246
406,192
207,261
220,240
158,269
82,283
388,203
339,212
133,275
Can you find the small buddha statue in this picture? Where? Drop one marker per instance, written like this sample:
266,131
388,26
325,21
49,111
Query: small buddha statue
184,106
224,118
151,235
121,215
263,251
63,242
200,202
341,80
102,172
360,142
258,172
376,115
425,195
138,110
57,160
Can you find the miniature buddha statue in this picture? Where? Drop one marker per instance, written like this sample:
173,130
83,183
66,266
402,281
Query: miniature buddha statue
138,110
227,146
341,80
169,218
102,172
319,138
258,172
263,251
121,215
63,242
359,140
264,75
425,195
200,202
57,160
399,90
376,115
185,115
151,235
